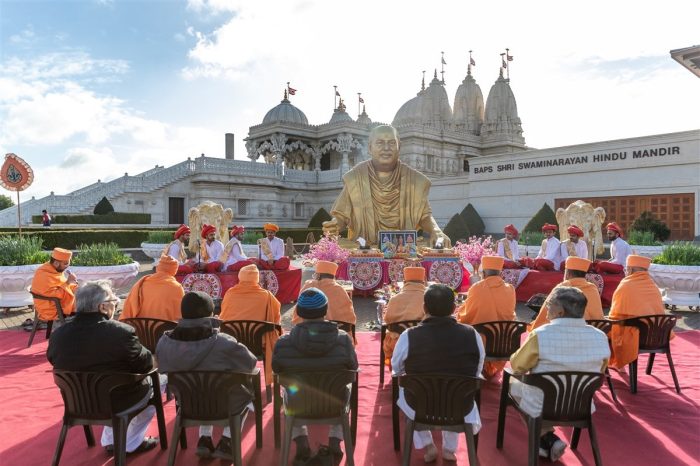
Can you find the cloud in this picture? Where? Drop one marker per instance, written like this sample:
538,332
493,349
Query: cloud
25,37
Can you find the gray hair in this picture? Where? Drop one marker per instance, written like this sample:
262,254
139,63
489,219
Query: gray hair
571,299
91,295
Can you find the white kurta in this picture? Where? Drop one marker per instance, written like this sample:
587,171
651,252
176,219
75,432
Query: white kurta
580,249
276,248
552,252
619,250
236,254
174,251
501,251
215,250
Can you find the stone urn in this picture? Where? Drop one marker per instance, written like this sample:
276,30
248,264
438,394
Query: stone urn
15,281
153,250
121,276
680,284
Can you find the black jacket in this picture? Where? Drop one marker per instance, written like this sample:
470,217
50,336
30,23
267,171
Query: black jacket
93,343
314,345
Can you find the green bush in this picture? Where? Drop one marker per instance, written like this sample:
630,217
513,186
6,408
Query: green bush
252,237
128,218
642,238
457,229
100,254
679,253
103,207
318,218
471,217
531,238
21,251
544,215
647,222
160,237
71,239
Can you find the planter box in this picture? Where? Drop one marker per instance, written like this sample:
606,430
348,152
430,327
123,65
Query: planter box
14,283
647,251
680,283
120,275
153,250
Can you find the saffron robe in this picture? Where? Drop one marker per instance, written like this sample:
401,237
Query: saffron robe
594,308
48,282
156,296
339,303
407,305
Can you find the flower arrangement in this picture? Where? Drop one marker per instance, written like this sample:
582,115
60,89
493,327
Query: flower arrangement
472,251
327,249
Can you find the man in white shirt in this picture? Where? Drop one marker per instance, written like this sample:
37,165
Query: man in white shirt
548,258
176,250
209,251
508,248
575,246
272,250
233,256
619,250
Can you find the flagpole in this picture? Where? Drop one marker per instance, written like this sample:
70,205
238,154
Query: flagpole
359,96
288,89
19,216
469,68
335,97
507,64
442,66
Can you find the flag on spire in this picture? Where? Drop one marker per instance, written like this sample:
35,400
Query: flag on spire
292,91
443,61
510,57
472,62
362,101
337,93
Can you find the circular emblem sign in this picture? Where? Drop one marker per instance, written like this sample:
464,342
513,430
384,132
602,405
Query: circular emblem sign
16,174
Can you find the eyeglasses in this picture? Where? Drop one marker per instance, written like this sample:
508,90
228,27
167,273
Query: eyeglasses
115,301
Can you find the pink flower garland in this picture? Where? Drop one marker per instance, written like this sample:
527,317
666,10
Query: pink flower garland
475,249
325,250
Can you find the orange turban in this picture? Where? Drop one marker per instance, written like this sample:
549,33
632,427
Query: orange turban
167,265
249,273
549,226
510,228
577,263
237,229
414,274
206,229
638,261
574,230
492,263
271,226
61,254
614,227
181,231
326,267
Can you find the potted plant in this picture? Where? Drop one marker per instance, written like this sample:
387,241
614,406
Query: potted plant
532,240
644,243
104,261
677,272
19,259
155,244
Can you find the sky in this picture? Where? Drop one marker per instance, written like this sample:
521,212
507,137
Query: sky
94,89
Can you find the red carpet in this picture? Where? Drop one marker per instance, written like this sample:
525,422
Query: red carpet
656,426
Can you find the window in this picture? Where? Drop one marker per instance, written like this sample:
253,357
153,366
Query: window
243,207
298,209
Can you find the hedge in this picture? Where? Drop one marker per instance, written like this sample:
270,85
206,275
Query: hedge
471,217
319,217
103,207
71,239
544,215
457,229
113,218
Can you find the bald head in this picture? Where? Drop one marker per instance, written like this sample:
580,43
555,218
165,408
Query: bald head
384,148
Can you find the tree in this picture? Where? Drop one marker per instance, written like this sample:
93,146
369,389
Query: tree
5,202
457,229
103,207
647,222
544,215
318,218
473,220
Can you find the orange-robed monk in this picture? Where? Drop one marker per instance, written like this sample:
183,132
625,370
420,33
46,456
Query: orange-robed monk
575,276
156,296
247,300
49,280
339,303
488,300
407,305
636,295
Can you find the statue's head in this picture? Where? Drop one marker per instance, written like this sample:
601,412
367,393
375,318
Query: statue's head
384,147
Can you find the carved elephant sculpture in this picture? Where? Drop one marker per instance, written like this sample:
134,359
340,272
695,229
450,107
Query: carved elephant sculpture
586,217
210,213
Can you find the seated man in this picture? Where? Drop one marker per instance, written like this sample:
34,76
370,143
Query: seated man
508,248
438,345
314,344
177,249
50,280
565,344
575,276
488,300
575,246
406,305
233,256
339,303
619,250
197,345
93,342
636,295
272,250
548,257
156,296
247,300
209,251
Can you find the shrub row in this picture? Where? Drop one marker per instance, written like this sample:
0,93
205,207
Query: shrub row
111,218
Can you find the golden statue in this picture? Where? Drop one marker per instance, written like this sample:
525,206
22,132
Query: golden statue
383,194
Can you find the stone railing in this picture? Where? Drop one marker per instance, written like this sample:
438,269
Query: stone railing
329,176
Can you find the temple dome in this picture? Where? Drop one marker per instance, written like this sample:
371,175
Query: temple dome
469,105
340,115
285,112
500,104
430,107
409,113
363,118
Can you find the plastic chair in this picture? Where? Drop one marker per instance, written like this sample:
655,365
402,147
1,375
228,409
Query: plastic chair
396,327
654,337
207,397
346,327
567,402
250,333
605,326
87,398
440,401
49,324
150,330
317,397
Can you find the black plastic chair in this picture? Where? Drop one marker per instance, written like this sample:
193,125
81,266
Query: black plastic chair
150,330
396,327
318,397
654,337
87,398
535,303
207,398
605,326
346,327
49,324
441,402
251,333
567,402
